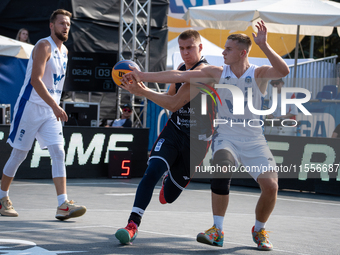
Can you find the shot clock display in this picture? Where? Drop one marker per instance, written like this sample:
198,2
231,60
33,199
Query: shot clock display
88,71
119,164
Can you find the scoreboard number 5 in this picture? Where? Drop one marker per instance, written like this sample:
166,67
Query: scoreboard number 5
119,164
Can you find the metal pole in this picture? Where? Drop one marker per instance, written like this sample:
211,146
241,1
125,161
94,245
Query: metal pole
147,61
296,54
311,47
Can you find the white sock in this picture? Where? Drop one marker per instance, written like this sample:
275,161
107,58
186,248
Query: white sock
218,222
61,199
3,193
259,225
138,210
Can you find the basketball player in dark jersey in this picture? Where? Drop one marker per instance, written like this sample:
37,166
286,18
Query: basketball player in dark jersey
182,144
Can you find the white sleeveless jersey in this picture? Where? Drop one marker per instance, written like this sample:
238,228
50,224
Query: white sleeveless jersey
54,75
247,125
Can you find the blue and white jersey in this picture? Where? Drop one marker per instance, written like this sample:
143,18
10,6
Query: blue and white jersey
245,125
53,78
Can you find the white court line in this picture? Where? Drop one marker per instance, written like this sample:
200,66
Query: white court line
204,191
189,212
17,241
279,198
53,229
139,230
126,194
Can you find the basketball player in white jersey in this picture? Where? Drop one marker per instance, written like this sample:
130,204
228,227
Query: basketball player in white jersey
37,114
238,143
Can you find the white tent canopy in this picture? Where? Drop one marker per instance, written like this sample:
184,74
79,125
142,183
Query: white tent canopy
208,49
14,48
307,17
315,17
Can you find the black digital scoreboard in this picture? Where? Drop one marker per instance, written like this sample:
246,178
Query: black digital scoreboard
89,71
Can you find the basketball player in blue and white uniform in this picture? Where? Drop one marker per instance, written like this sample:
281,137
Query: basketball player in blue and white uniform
237,144
183,142
37,115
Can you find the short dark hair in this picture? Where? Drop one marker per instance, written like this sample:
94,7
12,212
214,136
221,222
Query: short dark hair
241,39
276,81
59,11
190,33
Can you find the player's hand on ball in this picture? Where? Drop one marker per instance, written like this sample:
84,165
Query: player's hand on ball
135,73
123,67
130,84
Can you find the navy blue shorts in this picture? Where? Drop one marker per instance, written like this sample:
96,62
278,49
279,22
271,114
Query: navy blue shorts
180,152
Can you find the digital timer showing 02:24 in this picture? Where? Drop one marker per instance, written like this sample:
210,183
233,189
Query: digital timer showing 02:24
101,72
83,72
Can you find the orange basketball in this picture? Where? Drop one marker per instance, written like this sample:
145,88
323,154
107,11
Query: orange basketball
122,67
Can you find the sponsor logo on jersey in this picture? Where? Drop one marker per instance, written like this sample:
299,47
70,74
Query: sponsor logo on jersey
56,56
22,132
159,144
248,79
57,78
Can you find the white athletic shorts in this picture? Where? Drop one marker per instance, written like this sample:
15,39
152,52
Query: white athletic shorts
32,121
253,153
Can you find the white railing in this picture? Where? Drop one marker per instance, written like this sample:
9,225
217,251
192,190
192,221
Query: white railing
313,75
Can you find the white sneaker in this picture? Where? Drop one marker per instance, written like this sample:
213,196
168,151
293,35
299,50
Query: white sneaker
69,210
6,208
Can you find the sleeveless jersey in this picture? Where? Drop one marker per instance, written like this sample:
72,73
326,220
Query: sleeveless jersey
239,125
53,78
189,118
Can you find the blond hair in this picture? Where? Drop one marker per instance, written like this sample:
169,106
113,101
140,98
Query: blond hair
19,33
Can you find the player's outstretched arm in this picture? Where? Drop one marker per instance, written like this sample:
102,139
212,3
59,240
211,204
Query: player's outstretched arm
173,76
165,100
279,67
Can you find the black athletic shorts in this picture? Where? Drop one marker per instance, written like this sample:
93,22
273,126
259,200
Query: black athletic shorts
180,152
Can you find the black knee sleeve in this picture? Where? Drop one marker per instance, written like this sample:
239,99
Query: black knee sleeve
220,183
220,186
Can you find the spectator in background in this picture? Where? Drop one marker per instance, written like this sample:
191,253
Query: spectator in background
291,109
124,121
23,35
336,132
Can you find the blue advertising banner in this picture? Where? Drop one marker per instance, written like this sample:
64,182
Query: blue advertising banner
12,76
156,120
325,117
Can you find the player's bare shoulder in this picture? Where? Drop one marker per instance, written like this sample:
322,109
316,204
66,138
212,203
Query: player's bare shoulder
212,71
260,72
42,50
